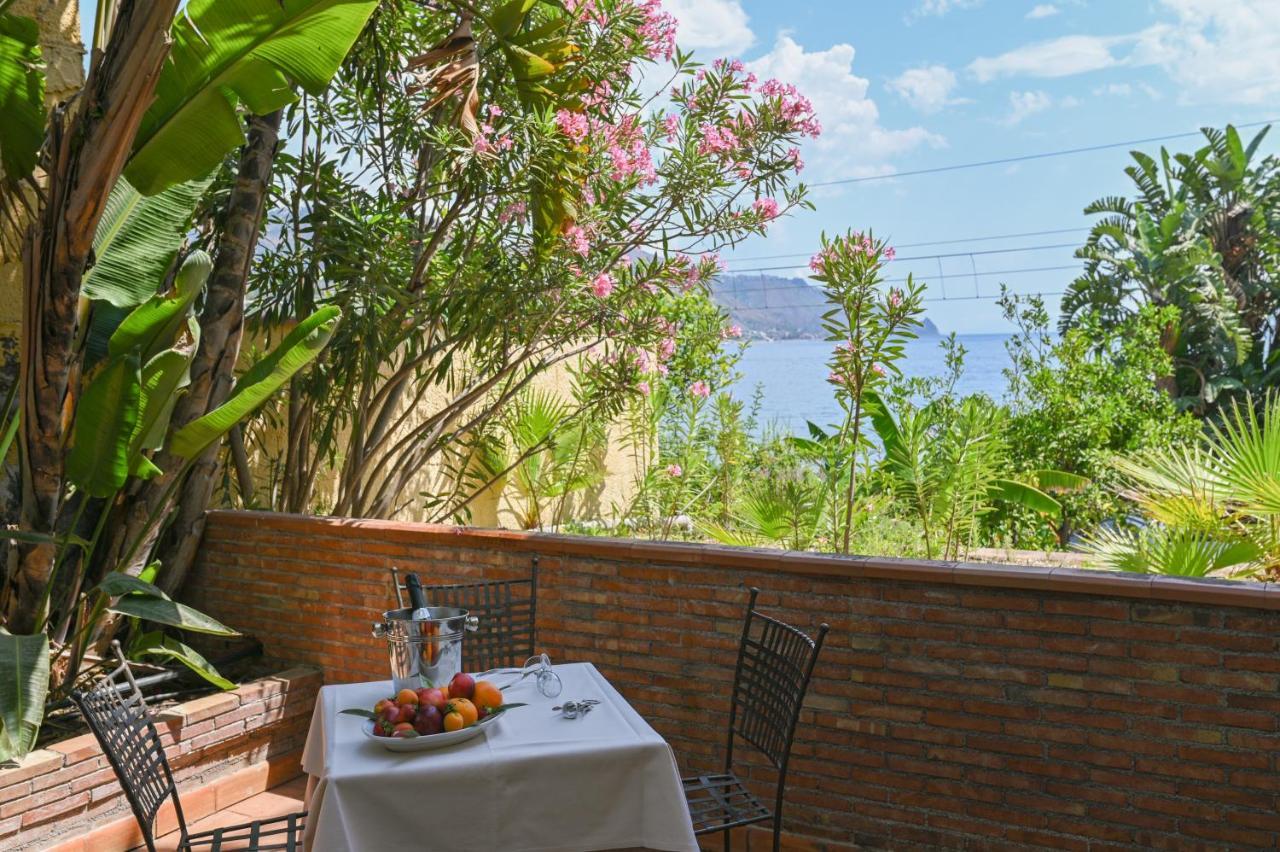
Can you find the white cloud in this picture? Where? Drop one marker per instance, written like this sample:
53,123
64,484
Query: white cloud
1126,90
1059,57
720,26
1214,50
1217,50
1022,105
1043,10
853,141
928,89
938,8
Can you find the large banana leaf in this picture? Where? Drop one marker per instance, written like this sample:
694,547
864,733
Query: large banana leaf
153,326
98,462
24,682
21,95
228,53
298,349
137,239
156,644
172,613
1026,495
162,376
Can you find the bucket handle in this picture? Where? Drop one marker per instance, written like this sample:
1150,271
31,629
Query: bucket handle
382,628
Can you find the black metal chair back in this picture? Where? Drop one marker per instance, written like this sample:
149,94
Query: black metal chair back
507,614
775,665
117,715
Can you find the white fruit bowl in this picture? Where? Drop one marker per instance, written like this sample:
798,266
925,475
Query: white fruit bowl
430,741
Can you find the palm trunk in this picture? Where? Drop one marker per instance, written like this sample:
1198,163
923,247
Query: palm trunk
86,152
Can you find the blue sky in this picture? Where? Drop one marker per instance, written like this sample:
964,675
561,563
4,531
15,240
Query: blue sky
917,84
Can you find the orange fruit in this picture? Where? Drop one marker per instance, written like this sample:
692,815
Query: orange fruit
406,696
464,708
487,695
453,722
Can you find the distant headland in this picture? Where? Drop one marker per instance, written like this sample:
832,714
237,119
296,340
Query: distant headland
768,307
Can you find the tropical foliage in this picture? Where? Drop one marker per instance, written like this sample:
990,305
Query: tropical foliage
112,336
1202,236
1207,509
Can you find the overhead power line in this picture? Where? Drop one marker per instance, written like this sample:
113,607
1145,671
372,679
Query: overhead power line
1026,157
925,257
930,243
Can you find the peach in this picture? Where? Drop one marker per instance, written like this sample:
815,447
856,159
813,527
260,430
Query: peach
407,696
402,730
407,712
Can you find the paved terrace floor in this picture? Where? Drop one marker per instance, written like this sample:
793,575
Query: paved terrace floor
279,801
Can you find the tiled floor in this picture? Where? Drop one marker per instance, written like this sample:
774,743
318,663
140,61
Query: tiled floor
278,801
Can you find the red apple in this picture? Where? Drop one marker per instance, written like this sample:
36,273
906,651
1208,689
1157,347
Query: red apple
390,714
407,712
481,712
434,697
463,685
428,721
403,729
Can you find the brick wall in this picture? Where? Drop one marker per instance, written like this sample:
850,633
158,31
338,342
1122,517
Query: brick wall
961,706
251,737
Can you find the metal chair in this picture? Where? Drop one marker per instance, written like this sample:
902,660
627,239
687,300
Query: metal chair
117,714
507,613
775,664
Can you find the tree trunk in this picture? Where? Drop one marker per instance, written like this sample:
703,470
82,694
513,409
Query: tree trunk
84,156
221,326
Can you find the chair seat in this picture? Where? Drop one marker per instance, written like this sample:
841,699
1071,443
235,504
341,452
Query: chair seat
717,802
282,833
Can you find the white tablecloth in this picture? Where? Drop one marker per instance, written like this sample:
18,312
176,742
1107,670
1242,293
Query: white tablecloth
536,781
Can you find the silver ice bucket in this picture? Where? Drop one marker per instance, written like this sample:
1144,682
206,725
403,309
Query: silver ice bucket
424,651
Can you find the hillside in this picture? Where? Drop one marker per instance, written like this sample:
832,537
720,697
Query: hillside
772,308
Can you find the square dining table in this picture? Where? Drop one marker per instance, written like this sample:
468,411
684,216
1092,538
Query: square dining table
535,781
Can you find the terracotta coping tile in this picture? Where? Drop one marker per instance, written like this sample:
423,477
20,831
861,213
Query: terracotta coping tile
715,556
37,762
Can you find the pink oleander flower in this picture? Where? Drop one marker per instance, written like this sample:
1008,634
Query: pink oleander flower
512,212
493,110
743,171
796,163
572,124
658,30
793,107
644,361
504,142
765,208
818,263
877,369
675,471
482,145
666,348
577,239
716,140
700,389
602,285
643,387
889,253
732,332
895,298
835,378
671,126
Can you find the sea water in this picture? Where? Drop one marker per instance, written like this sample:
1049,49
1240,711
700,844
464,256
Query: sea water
793,375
